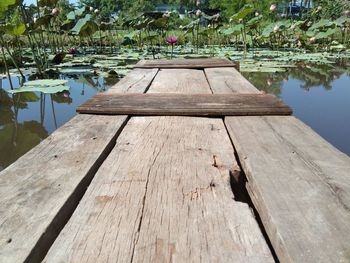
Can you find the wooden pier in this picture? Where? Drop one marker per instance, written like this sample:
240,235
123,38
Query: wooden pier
239,184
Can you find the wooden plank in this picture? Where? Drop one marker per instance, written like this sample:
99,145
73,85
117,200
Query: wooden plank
299,183
163,195
40,191
187,63
228,80
164,104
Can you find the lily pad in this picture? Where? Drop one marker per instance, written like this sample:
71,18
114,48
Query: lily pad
48,86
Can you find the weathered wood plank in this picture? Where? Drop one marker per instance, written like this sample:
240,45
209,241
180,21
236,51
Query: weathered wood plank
163,195
40,191
228,80
187,63
299,183
186,105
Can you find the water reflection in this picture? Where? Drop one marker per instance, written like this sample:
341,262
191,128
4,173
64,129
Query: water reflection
319,96
28,118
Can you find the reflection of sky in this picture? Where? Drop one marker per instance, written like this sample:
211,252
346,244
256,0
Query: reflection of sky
28,2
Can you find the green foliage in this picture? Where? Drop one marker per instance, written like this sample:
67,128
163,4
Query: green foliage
44,85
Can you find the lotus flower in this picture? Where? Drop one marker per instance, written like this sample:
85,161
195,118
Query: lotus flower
319,8
198,13
276,28
91,9
273,7
72,50
171,40
313,40
347,12
35,19
55,11
257,14
96,11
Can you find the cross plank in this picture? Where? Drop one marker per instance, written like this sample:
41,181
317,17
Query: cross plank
164,195
298,182
40,191
185,105
187,63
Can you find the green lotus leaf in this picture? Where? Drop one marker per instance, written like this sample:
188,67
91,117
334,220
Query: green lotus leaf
46,82
46,90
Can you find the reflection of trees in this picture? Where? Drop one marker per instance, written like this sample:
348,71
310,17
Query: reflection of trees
18,138
6,113
268,82
311,75
318,75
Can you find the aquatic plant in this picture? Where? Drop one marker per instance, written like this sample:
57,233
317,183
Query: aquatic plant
172,41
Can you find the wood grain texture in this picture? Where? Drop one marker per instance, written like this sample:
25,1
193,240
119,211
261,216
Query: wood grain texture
166,104
40,191
300,185
298,182
228,80
163,195
137,81
187,63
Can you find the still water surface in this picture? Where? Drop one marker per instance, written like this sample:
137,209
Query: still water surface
319,96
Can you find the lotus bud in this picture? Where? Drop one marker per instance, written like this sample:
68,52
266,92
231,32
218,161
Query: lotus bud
276,28
91,9
257,14
313,40
96,11
273,7
198,13
171,40
347,12
55,11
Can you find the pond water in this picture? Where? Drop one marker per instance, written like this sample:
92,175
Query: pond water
319,96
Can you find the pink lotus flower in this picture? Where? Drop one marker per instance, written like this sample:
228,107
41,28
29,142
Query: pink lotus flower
72,50
55,11
347,12
273,7
171,40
